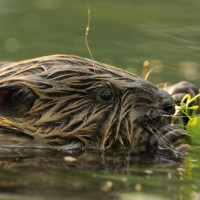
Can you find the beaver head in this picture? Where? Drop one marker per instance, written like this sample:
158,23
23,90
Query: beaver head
63,100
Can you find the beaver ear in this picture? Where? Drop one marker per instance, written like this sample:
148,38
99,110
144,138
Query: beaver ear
16,100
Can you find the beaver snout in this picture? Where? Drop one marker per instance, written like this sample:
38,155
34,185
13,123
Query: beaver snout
167,102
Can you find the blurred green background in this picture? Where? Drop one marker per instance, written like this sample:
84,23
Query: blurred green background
122,33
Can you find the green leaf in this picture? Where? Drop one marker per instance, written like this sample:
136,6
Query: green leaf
188,109
193,127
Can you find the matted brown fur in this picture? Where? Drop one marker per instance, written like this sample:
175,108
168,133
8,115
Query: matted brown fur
57,100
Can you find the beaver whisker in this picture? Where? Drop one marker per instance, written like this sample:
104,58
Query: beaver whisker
164,115
159,132
164,142
169,135
158,136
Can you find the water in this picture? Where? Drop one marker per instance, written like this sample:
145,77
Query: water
40,174
124,34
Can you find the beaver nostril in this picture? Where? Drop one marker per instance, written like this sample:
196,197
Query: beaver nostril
169,109
167,102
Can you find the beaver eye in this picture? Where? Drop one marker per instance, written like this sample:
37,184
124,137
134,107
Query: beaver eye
106,95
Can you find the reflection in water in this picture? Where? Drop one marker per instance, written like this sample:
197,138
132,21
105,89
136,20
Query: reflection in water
92,174
74,160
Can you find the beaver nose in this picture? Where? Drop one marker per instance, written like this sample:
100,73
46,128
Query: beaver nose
167,102
169,109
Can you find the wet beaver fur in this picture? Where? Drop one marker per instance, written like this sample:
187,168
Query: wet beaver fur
60,100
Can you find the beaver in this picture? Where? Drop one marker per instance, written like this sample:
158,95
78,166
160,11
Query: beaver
69,101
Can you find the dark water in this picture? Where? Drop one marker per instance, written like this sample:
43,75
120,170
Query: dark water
124,34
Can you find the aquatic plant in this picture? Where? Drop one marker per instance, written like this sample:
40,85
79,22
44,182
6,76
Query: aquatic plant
188,107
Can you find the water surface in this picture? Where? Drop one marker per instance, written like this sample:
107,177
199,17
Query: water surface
40,174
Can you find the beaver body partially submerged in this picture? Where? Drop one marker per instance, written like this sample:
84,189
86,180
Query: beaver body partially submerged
62,100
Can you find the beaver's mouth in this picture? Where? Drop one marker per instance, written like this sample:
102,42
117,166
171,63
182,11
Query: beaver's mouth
149,132
161,134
